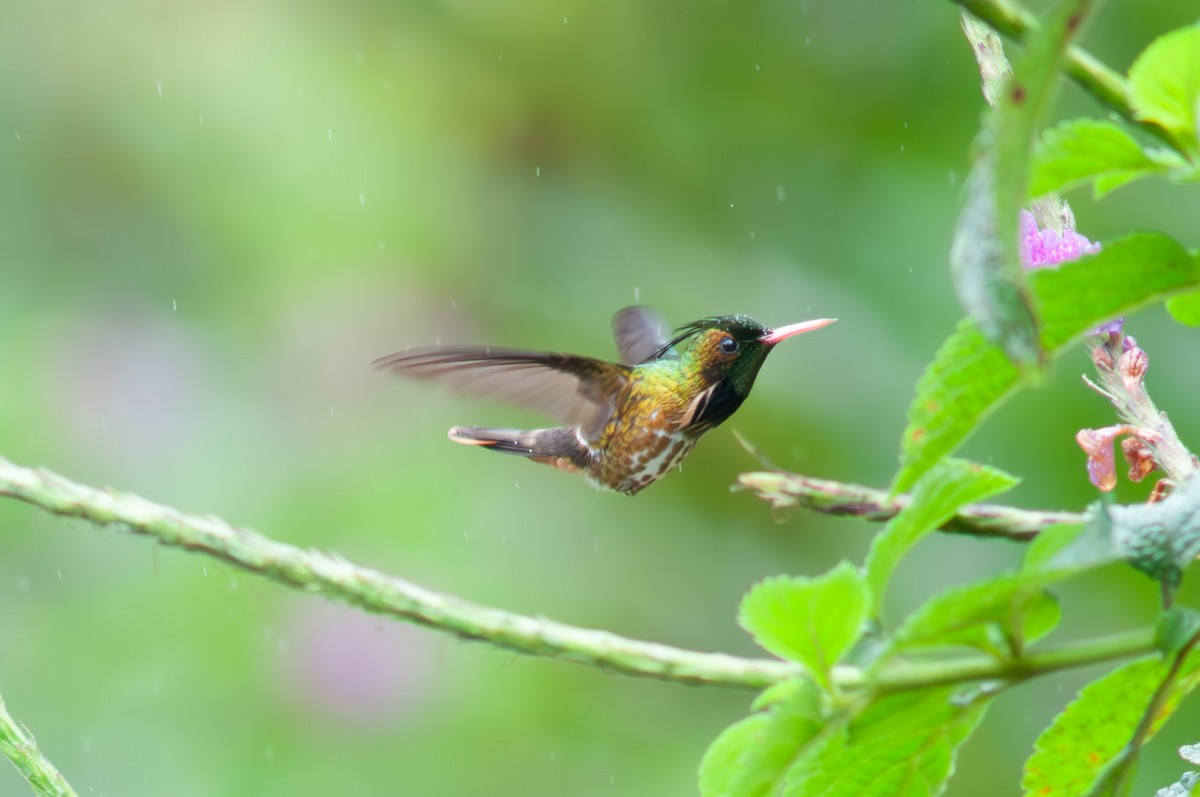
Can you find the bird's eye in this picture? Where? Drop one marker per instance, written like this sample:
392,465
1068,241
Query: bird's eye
729,345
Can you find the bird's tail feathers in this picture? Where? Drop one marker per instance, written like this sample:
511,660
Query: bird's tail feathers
561,447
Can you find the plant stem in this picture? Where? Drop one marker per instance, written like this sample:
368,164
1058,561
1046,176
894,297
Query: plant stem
785,490
21,749
899,675
1107,86
333,576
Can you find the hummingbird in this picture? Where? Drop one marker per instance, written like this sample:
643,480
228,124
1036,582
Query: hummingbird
625,424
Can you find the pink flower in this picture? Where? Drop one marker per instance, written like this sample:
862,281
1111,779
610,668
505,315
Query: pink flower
1040,248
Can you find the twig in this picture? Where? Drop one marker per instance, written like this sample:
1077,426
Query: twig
785,490
18,744
315,571
331,575
1106,85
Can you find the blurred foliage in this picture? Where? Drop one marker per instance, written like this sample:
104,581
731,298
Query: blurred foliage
213,216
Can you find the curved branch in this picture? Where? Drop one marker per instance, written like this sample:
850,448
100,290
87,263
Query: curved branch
331,575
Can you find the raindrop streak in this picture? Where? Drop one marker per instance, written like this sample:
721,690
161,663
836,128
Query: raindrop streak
174,307
362,199
158,85
330,132
637,293
17,136
780,193
202,120
331,415
537,171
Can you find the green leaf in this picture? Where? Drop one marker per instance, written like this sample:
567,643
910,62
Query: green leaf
940,493
1186,308
1081,150
999,616
1164,83
963,384
1126,274
985,262
812,621
969,377
750,757
902,745
1069,549
1088,737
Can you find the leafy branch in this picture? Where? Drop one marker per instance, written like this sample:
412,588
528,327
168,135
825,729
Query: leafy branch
335,577
1107,86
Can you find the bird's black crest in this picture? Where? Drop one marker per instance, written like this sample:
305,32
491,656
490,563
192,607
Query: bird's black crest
742,327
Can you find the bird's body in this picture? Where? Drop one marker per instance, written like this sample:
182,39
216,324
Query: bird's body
626,424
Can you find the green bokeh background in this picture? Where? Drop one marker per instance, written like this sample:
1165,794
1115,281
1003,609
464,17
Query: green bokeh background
214,216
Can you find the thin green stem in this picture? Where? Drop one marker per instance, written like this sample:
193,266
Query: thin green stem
1107,86
784,490
19,746
900,675
1121,769
333,576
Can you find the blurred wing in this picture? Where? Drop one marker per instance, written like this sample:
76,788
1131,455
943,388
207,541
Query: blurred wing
578,391
640,333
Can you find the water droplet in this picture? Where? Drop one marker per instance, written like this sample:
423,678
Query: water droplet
781,193
202,120
17,136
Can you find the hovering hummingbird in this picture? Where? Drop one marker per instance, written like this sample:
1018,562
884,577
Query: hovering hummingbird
625,424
